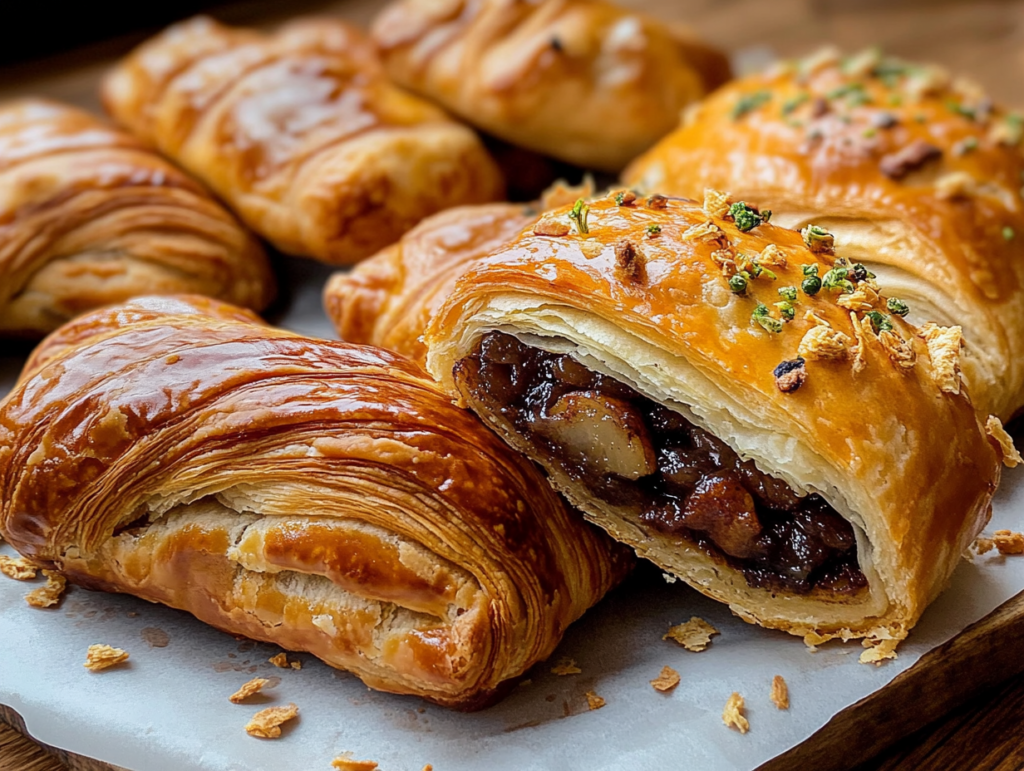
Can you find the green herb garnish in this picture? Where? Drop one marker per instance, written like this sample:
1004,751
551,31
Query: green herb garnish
879,322
836,281
738,283
579,213
747,217
818,239
1009,233
897,307
958,108
786,310
763,317
788,293
790,105
750,102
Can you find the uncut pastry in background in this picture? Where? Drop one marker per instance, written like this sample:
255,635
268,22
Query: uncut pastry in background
918,176
89,217
322,496
300,132
805,456
581,80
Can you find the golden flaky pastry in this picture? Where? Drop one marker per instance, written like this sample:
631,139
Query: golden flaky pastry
321,496
300,132
100,657
917,174
249,689
266,724
580,80
832,491
92,217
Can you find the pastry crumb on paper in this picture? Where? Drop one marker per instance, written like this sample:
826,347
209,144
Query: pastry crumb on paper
694,635
1008,542
18,568
345,762
266,724
250,688
280,660
732,715
100,657
879,651
594,701
983,545
780,692
565,666
49,594
666,681
295,664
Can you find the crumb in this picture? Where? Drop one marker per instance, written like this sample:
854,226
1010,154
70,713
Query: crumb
984,545
994,428
813,640
549,226
716,203
295,665
705,231
1008,542
694,635
669,578
900,352
565,666
944,345
18,568
49,594
780,692
100,657
822,342
428,767
266,724
772,257
863,298
280,660
594,701
879,651
251,688
732,715
344,762
630,261
666,681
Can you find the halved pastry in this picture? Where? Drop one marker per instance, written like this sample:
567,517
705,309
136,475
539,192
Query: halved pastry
580,80
918,175
745,410
89,217
300,132
322,496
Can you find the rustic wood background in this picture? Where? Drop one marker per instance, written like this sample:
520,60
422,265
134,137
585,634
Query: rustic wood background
984,40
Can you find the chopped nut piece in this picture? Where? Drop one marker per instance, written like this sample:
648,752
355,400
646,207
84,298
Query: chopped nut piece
344,762
780,692
630,260
594,701
861,299
716,203
772,257
732,715
694,635
100,657
624,197
900,163
18,568
944,345
994,428
900,351
565,666
49,594
666,681
879,651
656,201
1008,542
550,226
704,231
822,342
266,724
790,375
251,688
956,184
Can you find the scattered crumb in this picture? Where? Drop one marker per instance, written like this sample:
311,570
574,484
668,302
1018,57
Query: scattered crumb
266,724
879,651
813,640
984,545
344,762
732,715
428,767
18,568
994,428
295,664
694,635
1008,542
666,681
251,688
594,701
669,578
565,666
100,657
49,594
780,692
280,660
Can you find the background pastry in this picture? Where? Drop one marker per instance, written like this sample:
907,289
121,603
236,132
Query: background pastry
89,216
322,496
581,80
300,132
917,174
750,414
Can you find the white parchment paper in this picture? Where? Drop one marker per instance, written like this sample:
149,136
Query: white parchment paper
168,709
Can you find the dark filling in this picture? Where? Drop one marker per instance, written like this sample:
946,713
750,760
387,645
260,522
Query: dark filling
674,476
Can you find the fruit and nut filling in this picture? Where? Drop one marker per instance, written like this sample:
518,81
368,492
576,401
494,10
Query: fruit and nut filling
670,474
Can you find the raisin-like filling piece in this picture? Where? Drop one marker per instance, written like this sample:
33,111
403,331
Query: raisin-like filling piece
674,476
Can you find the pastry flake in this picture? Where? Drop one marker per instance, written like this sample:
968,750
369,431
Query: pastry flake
266,724
703,231
994,428
345,762
666,681
1008,542
733,715
694,635
823,343
879,651
250,688
716,203
279,660
900,351
944,344
594,701
772,257
18,568
780,692
49,594
565,666
101,657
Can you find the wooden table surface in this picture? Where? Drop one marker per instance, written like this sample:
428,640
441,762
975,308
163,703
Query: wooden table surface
984,40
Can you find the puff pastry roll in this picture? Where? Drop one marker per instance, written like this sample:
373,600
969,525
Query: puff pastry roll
322,496
300,132
780,440
918,176
89,217
580,80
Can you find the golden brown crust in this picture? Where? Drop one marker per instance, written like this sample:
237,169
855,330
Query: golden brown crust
917,175
300,132
321,496
580,80
90,217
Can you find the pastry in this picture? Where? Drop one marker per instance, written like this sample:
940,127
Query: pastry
322,496
89,216
742,407
300,133
918,176
580,80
